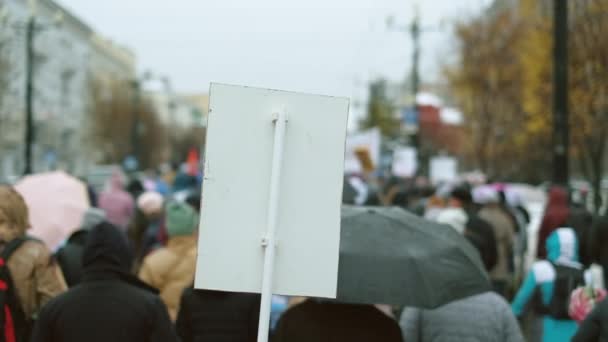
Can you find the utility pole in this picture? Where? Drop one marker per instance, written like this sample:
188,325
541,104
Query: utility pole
416,137
415,32
560,93
29,94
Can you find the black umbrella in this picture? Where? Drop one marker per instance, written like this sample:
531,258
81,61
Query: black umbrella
390,256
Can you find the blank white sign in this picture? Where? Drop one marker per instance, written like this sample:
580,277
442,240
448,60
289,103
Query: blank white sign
443,169
404,162
236,185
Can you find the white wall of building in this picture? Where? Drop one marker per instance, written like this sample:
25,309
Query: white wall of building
67,54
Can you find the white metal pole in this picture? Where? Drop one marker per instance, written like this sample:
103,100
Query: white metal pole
269,240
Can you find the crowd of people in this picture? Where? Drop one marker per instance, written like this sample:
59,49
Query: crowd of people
127,273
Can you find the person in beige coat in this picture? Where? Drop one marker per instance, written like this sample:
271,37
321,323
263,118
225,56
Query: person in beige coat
36,276
171,269
504,230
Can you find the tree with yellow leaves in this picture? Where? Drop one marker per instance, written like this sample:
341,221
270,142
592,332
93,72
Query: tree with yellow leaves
112,117
588,83
487,85
503,82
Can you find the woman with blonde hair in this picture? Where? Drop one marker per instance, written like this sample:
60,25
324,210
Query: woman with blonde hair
35,275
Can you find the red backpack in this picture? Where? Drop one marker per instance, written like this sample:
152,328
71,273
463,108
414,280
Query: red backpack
15,325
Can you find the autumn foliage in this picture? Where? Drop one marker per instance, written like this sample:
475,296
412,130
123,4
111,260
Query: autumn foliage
113,111
503,83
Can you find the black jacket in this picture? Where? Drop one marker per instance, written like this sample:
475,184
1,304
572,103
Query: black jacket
335,322
595,326
581,221
481,234
69,257
110,304
214,316
598,244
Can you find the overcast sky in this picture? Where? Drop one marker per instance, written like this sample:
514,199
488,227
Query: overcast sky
329,47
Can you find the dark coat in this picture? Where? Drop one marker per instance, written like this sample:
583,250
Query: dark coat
69,257
595,326
581,221
598,245
335,322
480,233
214,316
110,304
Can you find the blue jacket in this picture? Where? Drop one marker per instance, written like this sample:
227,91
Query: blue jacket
562,248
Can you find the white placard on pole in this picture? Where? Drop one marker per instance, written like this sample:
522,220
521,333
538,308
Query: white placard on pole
443,169
270,214
370,140
405,163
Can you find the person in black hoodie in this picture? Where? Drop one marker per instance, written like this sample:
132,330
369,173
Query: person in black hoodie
110,304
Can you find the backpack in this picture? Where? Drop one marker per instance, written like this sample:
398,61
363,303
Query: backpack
567,279
15,325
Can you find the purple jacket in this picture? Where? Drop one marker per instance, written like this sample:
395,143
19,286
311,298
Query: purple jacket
117,203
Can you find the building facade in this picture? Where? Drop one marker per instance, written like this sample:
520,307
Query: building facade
68,54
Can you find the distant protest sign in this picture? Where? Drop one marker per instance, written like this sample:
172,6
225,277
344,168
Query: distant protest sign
443,169
405,163
363,151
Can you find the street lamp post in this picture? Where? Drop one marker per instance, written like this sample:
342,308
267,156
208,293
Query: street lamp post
415,31
135,124
29,89
31,29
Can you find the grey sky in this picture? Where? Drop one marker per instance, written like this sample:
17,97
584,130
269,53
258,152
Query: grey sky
321,46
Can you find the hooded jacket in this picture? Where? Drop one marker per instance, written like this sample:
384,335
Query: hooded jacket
484,317
562,248
556,215
110,304
171,270
118,204
504,232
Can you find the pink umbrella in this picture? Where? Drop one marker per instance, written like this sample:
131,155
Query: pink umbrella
56,202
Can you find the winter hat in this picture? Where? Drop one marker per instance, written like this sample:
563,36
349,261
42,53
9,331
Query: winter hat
181,218
486,195
150,202
91,218
454,217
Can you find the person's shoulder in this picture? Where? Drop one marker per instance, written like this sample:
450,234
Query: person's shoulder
159,255
494,299
140,292
543,271
35,248
58,303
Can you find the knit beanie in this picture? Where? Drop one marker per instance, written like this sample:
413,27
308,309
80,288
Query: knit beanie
181,219
150,202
